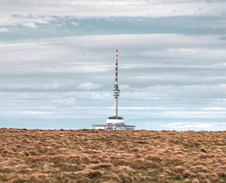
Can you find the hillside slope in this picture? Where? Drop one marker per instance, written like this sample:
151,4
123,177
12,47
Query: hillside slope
112,156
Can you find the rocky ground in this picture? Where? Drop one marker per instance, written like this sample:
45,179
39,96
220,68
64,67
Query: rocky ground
112,156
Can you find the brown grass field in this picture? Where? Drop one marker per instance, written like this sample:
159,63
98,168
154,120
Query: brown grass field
112,156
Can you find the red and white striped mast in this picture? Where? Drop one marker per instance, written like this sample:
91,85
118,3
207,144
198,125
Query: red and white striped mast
116,68
116,89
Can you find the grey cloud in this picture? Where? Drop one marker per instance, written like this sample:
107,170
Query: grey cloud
74,59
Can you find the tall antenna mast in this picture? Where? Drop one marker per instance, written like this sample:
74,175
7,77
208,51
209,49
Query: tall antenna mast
116,68
115,122
116,89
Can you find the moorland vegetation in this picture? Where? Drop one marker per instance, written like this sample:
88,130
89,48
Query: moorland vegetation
112,156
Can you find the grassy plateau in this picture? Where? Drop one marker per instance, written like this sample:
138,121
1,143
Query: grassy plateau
112,156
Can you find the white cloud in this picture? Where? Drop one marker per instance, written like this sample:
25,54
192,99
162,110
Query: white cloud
27,51
4,30
188,125
88,86
198,52
90,26
125,87
76,24
30,24
214,109
34,112
80,68
107,8
144,44
24,20
195,126
68,102
145,59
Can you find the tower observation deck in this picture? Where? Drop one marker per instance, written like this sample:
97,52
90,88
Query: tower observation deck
115,122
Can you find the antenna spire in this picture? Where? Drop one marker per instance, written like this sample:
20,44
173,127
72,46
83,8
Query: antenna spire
116,68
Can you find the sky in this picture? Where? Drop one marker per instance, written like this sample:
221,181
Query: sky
57,63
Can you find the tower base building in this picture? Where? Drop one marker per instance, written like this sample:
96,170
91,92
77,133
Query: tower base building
115,122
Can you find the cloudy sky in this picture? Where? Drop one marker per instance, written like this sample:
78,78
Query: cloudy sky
57,63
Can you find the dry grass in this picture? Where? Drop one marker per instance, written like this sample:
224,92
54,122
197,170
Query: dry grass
112,156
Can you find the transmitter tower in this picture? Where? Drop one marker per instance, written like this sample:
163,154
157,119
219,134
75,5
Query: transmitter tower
115,122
